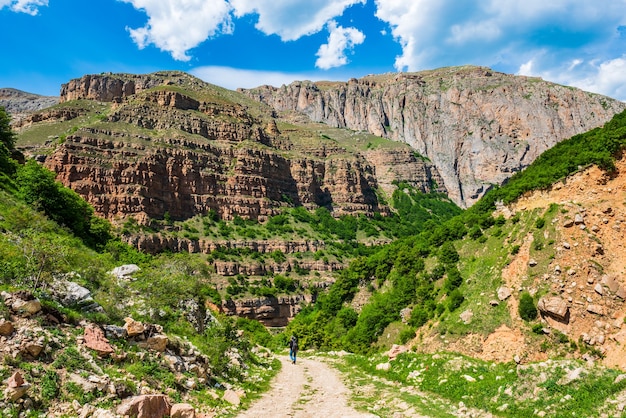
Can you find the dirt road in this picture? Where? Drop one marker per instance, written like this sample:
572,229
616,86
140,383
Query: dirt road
307,389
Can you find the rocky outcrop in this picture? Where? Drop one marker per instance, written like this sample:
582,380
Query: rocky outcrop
270,311
174,144
477,126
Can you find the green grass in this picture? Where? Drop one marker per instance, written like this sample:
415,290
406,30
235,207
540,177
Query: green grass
503,389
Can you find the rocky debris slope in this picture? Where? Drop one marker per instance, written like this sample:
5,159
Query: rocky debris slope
577,277
477,126
90,370
20,104
170,143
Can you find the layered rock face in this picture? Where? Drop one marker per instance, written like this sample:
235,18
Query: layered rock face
477,126
170,144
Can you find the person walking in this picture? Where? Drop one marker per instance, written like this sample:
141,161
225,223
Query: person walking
293,348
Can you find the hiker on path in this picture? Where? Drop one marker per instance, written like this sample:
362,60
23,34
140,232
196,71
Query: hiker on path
293,348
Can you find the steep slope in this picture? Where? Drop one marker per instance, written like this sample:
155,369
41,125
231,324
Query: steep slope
574,267
476,125
168,143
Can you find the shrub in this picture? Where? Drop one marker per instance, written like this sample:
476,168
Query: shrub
406,335
527,308
540,223
455,299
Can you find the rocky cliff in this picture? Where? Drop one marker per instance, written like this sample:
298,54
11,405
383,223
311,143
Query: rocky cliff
20,104
170,143
477,126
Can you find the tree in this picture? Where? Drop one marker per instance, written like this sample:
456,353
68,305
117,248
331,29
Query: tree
527,308
7,144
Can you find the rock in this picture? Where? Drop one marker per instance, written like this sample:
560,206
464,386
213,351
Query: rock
113,331
610,282
125,270
620,293
383,366
70,294
32,349
599,289
26,307
182,410
468,378
146,406
6,327
132,327
231,397
595,309
16,380
94,339
557,269
532,262
578,219
568,223
566,245
395,350
554,307
16,387
494,302
504,293
157,342
466,316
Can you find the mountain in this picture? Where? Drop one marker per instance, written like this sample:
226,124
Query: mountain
168,143
20,103
476,125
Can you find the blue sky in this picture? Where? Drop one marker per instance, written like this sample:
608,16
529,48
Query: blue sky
246,43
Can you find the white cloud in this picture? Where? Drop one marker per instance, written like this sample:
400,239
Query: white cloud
176,26
333,54
292,19
30,7
496,32
233,78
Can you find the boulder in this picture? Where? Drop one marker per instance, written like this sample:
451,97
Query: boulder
395,350
554,307
71,294
132,327
595,309
6,327
16,387
231,397
26,307
504,293
182,410
113,331
94,339
146,406
157,343
125,270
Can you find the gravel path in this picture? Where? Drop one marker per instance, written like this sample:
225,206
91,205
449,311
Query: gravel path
307,389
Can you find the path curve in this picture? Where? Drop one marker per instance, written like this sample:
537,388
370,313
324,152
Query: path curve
308,389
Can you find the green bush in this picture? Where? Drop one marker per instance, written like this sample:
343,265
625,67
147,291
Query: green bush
527,308
406,335
455,299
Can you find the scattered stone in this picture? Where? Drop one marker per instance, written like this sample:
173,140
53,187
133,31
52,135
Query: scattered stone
182,410
578,219
566,245
16,387
124,271
504,293
232,397
157,342
146,406
466,316
621,293
26,307
568,223
557,269
395,350
6,327
532,262
383,366
595,309
468,378
599,289
94,339
113,331
555,307
494,302
71,294
133,327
